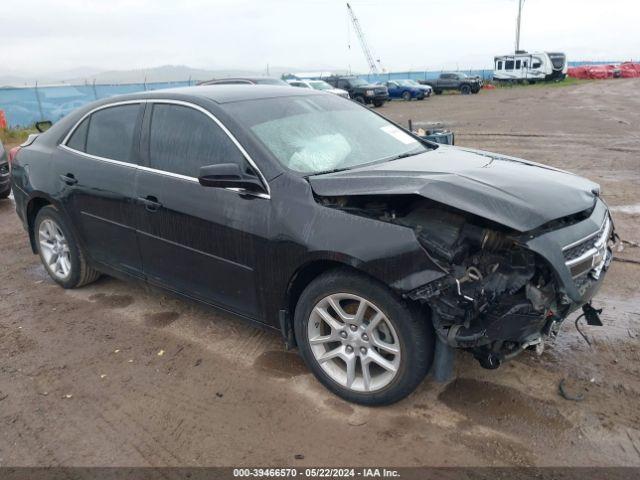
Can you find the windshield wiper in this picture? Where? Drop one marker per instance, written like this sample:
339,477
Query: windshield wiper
402,155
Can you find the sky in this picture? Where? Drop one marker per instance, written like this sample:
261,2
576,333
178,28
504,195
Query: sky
56,35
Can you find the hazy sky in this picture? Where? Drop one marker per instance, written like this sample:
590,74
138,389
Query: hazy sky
44,36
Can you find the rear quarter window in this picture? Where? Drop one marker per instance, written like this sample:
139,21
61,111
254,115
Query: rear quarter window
78,140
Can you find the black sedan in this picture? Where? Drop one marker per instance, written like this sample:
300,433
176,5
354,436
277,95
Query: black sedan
308,213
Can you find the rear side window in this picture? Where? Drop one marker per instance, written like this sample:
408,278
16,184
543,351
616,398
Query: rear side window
78,140
183,139
111,132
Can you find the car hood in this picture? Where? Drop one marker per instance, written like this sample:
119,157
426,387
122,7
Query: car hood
519,194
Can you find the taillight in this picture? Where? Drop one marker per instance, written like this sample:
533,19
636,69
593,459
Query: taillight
12,154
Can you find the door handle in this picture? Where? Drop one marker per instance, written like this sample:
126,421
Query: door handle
69,179
151,203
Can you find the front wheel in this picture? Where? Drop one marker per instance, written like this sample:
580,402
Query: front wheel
406,96
378,103
360,340
465,89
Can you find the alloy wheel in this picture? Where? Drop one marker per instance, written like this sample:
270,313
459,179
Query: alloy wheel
54,249
354,342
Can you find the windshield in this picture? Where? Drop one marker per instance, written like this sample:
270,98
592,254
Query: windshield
357,82
405,83
270,81
322,133
411,82
320,85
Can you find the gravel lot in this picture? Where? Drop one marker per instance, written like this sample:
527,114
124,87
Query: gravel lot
118,374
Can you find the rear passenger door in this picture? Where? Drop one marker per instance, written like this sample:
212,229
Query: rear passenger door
198,241
96,171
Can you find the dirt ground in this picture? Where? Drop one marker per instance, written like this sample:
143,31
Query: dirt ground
117,374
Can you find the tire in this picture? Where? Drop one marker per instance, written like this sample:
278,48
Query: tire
74,263
404,324
465,89
360,99
438,91
378,103
406,96
5,193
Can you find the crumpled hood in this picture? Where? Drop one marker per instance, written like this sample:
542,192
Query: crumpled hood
516,193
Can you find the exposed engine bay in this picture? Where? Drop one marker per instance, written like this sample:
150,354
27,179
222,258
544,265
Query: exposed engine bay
496,297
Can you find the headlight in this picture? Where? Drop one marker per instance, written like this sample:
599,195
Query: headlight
370,93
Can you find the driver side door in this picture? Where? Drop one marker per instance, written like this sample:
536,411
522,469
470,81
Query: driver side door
199,241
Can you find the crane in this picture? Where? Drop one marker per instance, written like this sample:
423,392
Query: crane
373,68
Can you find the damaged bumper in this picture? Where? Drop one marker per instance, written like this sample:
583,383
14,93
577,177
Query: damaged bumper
501,299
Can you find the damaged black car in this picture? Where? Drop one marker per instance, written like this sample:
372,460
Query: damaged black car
366,246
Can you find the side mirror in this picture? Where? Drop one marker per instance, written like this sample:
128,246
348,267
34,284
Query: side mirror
43,126
228,175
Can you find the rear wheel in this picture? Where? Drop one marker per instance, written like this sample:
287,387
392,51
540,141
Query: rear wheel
360,340
406,96
59,251
6,192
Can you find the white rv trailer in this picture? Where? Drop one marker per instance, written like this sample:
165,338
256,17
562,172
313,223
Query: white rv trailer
531,67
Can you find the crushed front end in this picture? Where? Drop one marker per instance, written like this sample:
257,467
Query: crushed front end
504,291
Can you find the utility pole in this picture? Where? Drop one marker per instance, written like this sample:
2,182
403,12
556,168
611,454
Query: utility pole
520,2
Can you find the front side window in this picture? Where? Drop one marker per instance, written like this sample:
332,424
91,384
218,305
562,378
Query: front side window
183,139
110,132
314,134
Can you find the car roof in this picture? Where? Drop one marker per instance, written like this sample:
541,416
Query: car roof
240,79
219,93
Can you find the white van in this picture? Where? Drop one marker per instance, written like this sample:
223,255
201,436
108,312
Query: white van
531,67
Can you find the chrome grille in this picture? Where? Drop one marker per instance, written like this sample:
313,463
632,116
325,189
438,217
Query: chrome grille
589,252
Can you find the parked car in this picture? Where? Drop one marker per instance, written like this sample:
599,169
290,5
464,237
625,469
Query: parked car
404,89
319,85
5,183
454,81
359,90
246,81
426,88
361,242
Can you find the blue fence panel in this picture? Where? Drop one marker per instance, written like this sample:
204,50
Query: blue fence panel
25,106
423,75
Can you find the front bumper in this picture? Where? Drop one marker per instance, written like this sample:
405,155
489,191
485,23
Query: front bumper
580,254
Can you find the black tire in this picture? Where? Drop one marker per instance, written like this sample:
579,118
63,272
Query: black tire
5,193
378,103
465,89
438,91
360,99
81,273
406,96
414,332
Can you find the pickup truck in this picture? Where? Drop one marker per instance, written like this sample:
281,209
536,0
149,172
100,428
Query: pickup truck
454,81
359,90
